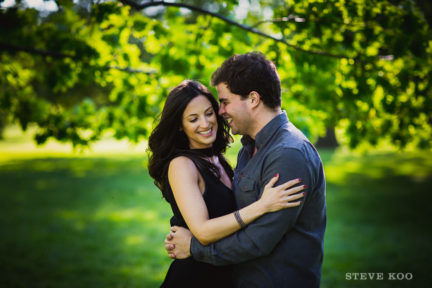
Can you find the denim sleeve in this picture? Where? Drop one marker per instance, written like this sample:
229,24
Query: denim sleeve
261,236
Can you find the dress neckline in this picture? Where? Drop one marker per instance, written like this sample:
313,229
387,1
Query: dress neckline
208,152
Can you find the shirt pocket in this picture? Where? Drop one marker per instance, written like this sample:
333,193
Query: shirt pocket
247,188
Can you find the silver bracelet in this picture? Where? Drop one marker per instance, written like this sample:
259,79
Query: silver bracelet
239,219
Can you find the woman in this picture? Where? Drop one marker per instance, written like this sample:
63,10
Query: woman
188,166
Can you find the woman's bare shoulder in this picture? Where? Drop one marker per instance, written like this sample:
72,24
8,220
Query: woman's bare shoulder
182,163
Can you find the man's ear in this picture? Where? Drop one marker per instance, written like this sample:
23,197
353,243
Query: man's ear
254,98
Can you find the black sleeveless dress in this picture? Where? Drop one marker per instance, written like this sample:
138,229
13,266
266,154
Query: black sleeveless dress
188,272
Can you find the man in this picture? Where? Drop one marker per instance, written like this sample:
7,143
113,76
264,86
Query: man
280,249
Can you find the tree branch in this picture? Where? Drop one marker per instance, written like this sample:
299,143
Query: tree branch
15,48
58,55
298,19
289,18
131,70
143,6
295,18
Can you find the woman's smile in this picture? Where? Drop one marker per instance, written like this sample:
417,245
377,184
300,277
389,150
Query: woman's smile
200,123
206,133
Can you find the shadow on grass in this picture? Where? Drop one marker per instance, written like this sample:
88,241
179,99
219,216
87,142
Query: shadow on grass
77,222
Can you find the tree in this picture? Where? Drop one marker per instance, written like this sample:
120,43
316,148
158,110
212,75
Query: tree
93,67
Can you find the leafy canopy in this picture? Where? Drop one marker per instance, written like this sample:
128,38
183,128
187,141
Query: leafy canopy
96,66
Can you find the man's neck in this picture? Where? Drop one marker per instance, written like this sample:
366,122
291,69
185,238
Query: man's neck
262,118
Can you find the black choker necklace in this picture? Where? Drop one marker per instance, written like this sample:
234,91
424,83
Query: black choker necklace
209,152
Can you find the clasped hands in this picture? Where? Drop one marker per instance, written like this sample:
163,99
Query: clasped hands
177,243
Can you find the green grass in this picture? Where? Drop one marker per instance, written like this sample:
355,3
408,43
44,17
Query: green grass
81,222
97,220
378,218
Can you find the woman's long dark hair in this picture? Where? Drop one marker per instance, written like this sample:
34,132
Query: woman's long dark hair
168,141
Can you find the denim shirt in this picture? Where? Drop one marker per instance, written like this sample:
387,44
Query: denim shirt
283,248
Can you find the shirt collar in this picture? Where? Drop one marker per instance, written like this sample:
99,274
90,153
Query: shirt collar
267,131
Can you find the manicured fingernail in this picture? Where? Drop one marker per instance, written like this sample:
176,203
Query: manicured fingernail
299,179
304,186
276,175
304,193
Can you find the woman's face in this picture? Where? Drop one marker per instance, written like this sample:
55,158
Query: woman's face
200,123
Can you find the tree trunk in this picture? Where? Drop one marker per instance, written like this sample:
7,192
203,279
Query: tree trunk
2,124
329,140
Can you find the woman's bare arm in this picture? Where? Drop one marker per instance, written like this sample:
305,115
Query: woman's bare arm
183,177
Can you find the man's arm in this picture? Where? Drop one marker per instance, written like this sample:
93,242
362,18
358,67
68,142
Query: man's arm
260,237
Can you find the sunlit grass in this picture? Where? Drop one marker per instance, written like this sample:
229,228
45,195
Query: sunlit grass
20,145
104,225
97,220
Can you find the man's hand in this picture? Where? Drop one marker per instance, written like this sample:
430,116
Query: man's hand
177,243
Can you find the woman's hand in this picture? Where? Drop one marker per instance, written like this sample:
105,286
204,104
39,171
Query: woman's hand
177,243
282,196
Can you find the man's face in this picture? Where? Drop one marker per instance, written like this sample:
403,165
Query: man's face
234,109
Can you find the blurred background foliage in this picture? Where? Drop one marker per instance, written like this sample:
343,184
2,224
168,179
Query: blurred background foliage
360,70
